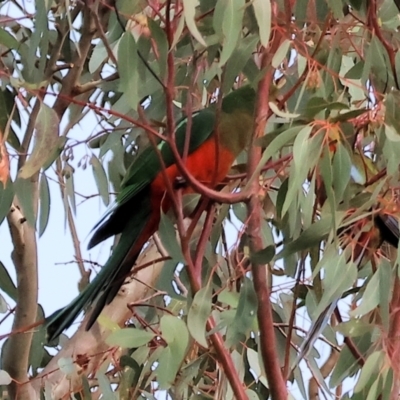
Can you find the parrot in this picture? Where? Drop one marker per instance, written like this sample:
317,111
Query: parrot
383,227
363,237
143,195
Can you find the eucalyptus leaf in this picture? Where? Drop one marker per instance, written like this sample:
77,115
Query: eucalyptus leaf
46,141
198,314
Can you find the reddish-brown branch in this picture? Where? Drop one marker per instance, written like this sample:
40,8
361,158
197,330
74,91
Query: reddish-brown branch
254,211
374,26
222,353
393,341
349,342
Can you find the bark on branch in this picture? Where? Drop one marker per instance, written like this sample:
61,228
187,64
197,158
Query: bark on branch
90,345
24,256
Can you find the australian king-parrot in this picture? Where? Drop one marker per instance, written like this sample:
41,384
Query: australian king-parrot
143,194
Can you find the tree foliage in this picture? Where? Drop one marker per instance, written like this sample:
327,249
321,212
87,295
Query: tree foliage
284,283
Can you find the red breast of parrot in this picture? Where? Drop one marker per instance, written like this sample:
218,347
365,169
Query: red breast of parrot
143,194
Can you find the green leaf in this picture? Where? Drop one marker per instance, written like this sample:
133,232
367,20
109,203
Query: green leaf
371,296
128,69
227,22
6,283
189,203
300,166
35,58
87,394
244,316
318,104
387,378
348,115
6,110
189,12
168,238
6,198
61,141
341,169
99,54
24,191
229,297
392,134
336,7
46,141
105,386
69,188
198,314
176,335
385,290
101,179
37,351
263,256
238,61
254,363
370,369
7,40
3,305
354,327
129,338
251,394
159,37
276,144
339,276
311,237
325,166
262,11
44,213
347,365
281,53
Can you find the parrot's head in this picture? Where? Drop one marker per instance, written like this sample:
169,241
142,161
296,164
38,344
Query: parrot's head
237,119
242,99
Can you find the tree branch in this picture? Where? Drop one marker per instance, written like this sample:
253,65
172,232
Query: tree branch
268,345
91,344
24,256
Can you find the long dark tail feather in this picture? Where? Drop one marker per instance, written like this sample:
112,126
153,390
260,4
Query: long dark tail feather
113,224
389,227
108,279
111,290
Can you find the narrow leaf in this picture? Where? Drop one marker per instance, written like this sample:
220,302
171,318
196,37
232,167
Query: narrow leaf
280,54
23,190
6,283
175,333
70,187
129,338
370,298
46,141
189,11
168,237
198,314
370,369
44,204
7,40
229,13
101,179
127,68
262,11
6,198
